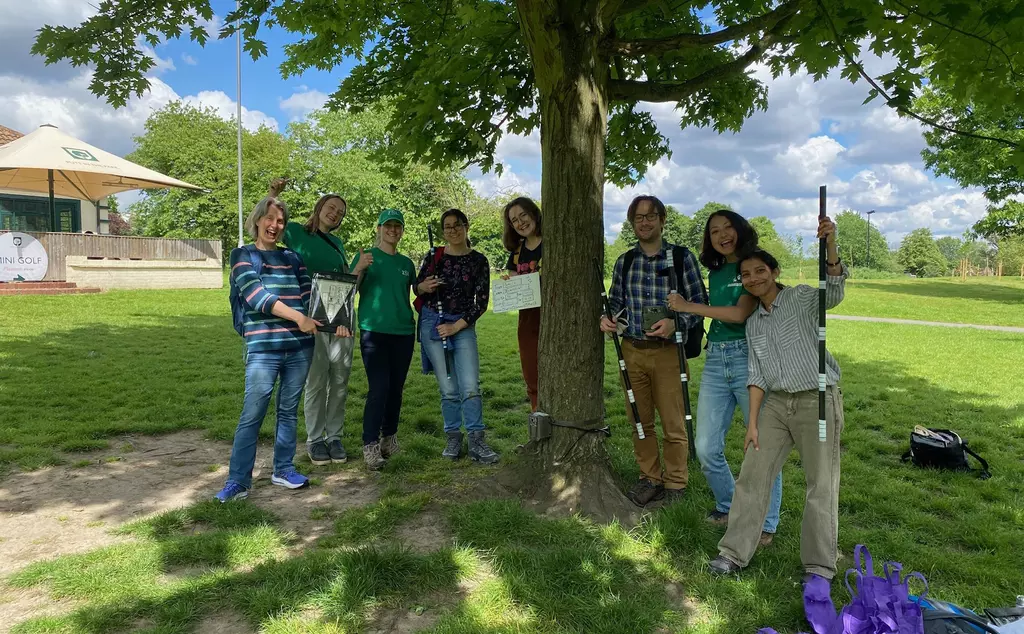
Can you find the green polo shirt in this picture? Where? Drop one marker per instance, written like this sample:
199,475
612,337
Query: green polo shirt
317,254
725,289
384,304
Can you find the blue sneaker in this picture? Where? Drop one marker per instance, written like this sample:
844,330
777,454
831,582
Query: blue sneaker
291,479
232,491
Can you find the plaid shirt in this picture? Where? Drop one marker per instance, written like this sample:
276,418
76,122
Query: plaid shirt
646,287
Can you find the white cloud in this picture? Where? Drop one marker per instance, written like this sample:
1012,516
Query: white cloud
162,64
301,103
188,59
226,108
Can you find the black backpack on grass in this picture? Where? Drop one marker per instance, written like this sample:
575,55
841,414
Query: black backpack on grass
942,449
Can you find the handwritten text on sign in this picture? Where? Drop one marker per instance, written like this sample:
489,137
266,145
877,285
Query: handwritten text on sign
516,293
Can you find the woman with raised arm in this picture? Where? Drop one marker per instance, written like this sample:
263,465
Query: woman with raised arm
327,383
782,335
455,288
723,384
522,238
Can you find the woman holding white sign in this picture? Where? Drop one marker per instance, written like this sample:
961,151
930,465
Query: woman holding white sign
454,285
522,237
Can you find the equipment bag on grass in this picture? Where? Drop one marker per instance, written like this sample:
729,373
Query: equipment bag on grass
942,449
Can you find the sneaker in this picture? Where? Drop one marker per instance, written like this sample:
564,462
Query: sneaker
389,446
644,492
479,451
337,452
318,453
673,495
723,566
372,457
232,491
290,479
453,450
766,539
718,518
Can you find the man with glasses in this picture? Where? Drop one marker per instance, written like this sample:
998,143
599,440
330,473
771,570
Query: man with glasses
641,282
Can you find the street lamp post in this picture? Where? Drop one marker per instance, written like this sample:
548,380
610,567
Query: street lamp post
869,239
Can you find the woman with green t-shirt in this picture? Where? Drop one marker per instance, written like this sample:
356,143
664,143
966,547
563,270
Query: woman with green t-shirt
387,337
723,385
327,382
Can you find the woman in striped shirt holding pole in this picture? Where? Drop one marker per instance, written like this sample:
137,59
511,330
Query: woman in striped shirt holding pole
782,337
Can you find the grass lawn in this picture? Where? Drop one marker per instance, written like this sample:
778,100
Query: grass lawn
77,371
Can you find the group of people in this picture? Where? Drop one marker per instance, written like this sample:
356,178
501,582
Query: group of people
761,356
285,345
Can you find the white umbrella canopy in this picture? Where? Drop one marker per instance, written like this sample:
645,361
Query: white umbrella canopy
75,168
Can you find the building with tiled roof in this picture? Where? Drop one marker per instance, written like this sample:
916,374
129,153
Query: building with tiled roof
7,135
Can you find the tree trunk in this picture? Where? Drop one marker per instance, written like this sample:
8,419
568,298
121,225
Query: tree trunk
570,471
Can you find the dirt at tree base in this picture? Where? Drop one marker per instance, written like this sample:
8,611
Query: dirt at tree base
567,475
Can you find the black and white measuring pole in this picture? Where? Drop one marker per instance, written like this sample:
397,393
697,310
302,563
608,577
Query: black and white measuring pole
683,375
440,307
622,361
822,273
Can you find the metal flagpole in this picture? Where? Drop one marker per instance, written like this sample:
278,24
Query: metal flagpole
822,272
238,117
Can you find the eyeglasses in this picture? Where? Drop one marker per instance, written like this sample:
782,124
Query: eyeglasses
651,217
520,220
454,228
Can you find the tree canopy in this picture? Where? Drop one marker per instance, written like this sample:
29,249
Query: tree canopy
998,168
853,237
327,152
919,255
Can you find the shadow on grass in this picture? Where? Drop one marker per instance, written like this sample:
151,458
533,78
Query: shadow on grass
996,292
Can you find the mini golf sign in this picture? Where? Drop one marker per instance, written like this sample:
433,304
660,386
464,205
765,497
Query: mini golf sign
22,258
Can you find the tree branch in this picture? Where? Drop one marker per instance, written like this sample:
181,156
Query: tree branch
638,48
632,90
889,100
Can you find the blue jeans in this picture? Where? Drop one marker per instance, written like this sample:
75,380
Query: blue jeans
262,370
460,394
723,386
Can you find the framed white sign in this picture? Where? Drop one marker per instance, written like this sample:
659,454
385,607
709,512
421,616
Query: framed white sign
516,293
22,258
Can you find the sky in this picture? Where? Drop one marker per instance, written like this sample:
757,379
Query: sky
813,133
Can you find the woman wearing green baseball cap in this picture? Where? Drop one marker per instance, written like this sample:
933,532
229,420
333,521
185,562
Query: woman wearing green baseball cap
387,337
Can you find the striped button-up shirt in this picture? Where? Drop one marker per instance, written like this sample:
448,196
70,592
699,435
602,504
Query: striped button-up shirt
648,283
783,342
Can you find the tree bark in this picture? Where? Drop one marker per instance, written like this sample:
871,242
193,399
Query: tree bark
570,471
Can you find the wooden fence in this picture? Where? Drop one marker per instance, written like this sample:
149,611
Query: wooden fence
60,245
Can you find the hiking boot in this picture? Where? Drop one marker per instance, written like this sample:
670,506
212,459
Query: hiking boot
723,566
718,518
673,495
372,457
290,479
644,492
453,450
337,452
766,539
479,451
318,453
232,491
389,446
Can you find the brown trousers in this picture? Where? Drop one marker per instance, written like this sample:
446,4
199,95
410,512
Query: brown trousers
789,420
653,368
529,335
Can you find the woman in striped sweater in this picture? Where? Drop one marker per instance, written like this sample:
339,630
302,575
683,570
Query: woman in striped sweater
275,287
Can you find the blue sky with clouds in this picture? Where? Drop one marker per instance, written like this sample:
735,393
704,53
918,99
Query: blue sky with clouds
813,132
